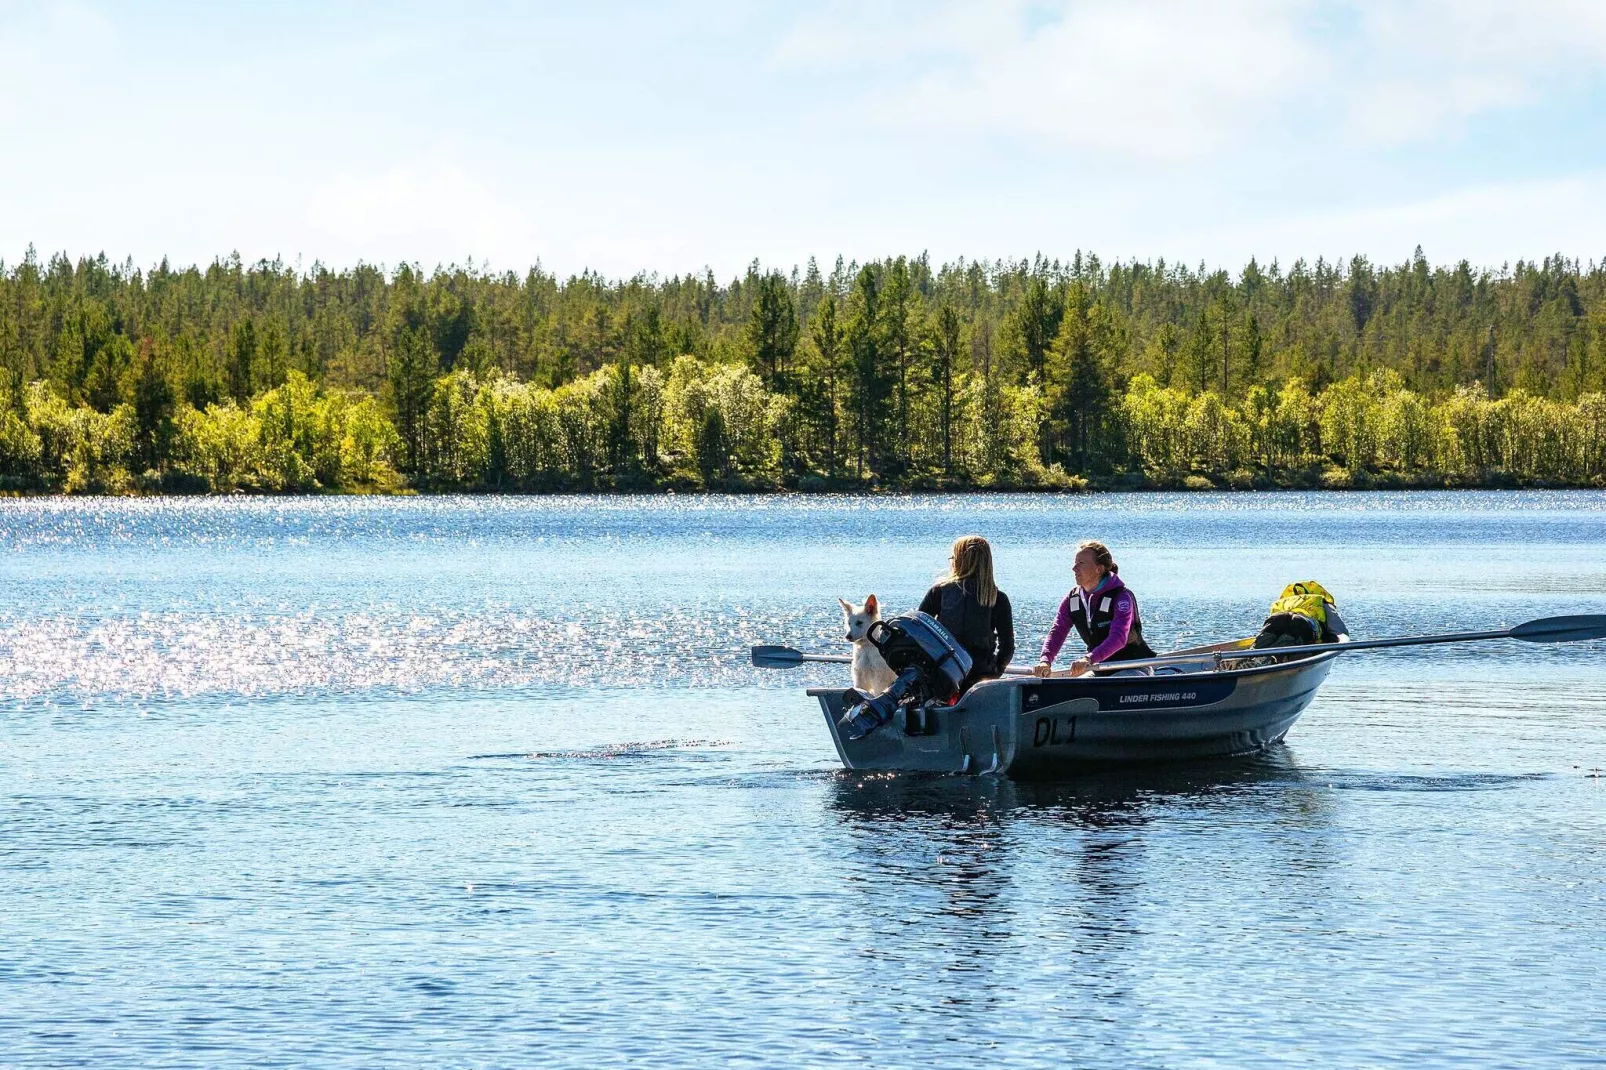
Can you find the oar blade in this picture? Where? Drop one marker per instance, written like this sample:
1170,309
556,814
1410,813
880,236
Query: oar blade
776,657
1575,629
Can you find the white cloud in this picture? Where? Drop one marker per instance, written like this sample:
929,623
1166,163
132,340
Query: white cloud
1421,68
1156,78
1185,80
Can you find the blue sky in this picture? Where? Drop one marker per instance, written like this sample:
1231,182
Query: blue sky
671,136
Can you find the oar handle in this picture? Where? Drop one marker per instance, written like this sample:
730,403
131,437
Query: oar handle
827,659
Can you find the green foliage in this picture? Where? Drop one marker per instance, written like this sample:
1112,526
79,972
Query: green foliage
20,445
1034,324
368,447
219,445
894,373
90,449
1216,434
299,436
722,421
1350,421
410,374
294,437
1406,432
242,359
1156,419
1078,384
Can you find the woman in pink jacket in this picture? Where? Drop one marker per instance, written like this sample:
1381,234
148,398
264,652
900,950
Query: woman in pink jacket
1103,612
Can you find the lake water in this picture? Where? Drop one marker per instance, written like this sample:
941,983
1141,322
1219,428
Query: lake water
488,782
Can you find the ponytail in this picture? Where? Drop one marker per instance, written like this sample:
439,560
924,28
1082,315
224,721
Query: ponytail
1101,556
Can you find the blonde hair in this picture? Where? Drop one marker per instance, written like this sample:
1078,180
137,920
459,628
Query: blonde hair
972,559
1101,556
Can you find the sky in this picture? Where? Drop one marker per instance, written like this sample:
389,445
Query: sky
670,137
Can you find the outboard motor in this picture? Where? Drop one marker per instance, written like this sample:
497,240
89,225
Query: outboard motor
930,665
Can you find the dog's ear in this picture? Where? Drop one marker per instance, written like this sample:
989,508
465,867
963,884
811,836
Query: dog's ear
846,606
870,604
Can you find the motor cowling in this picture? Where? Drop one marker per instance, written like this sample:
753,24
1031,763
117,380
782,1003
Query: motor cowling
931,667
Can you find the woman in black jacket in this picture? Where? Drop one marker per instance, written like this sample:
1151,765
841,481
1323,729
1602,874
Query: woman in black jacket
969,604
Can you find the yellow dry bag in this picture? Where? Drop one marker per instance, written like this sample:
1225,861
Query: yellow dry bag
1306,598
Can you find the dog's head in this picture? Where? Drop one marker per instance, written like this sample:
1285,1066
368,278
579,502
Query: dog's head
857,619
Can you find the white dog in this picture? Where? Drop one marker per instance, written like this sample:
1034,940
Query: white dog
871,676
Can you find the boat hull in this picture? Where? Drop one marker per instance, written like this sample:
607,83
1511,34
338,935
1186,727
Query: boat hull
1028,727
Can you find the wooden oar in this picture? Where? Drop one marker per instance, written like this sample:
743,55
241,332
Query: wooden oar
785,657
1574,629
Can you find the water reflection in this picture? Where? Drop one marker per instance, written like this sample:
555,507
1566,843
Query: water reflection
1095,798
934,858
997,879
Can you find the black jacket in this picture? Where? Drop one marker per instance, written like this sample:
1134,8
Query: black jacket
986,632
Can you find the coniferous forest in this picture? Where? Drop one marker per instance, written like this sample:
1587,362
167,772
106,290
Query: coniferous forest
892,375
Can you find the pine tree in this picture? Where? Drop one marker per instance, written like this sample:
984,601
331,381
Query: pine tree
898,344
411,371
1252,348
1037,324
153,410
945,351
870,382
827,336
1200,351
272,357
1362,292
772,331
1078,387
411,365
242,359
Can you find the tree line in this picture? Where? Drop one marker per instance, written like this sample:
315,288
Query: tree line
892,374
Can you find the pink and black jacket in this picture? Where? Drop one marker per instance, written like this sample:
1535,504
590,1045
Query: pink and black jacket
1115,632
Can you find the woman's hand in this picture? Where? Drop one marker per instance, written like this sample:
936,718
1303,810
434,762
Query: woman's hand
1081,666
1042,669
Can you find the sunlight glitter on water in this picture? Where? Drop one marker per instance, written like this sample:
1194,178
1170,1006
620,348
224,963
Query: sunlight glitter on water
178,656
184,598
246,524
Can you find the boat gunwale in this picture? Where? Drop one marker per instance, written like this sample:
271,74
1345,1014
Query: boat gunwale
1305,662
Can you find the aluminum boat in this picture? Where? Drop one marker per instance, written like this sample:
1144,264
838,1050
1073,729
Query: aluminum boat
1029,727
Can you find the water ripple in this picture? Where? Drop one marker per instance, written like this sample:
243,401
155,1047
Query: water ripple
488,782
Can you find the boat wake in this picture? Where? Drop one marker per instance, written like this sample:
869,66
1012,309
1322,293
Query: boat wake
1357,781
611,752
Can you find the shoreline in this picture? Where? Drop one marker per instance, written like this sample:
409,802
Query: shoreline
1192,485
